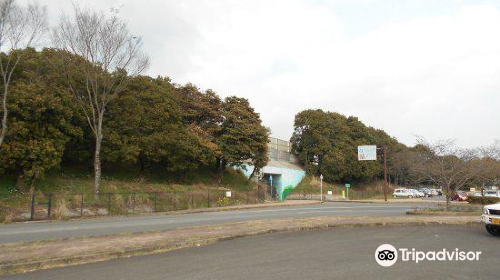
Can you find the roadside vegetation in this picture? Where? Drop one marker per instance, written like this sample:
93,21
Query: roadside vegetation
326,144
82,102
311,185
79,116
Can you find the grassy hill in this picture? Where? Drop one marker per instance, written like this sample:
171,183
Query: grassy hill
125,191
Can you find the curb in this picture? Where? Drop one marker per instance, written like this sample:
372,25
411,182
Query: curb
420,213
166,246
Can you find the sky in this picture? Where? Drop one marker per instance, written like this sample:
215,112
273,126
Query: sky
412,68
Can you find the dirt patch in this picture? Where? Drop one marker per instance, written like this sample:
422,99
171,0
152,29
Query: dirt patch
28,256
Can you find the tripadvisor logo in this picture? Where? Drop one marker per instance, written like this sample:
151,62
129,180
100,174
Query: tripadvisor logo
387,255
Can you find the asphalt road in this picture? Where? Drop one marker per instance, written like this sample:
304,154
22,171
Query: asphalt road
339,253
113,225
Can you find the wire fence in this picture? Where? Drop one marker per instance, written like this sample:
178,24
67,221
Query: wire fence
44,206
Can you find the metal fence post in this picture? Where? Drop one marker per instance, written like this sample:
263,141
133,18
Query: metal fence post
81,205
155,197
49,206
109,203
32,214
208,197
175,201
192,200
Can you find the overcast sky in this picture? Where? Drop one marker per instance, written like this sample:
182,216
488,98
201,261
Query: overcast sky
429,68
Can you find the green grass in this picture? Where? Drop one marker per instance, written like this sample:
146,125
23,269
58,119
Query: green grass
129,186
74,180
312,185
371,190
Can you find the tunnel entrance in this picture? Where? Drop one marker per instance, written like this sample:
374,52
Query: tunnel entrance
274,183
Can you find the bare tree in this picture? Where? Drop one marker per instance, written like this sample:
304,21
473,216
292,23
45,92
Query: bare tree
446,165
20,28
113,56
488,166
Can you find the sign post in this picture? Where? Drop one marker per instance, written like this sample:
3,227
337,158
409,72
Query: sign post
321,186
369,152
347,186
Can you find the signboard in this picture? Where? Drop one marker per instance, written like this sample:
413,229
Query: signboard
347,185
368,152
330,192
228,193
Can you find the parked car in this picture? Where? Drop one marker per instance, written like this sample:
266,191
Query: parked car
435,192
428,192
492,193
417,193
460,196
403,193
491,218
477,194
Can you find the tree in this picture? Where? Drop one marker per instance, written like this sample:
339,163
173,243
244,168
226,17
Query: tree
145,126
242,137
41,121
202,114
19,29
326,143
114,55
487,166
445,165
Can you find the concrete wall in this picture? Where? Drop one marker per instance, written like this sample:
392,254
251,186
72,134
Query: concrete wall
289,179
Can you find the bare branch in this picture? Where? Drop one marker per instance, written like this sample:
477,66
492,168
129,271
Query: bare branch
20,28
111,56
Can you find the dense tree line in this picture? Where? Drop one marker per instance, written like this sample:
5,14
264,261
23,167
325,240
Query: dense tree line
326,143
151,123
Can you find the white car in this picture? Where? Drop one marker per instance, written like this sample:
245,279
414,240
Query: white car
491,218
492,193
420,193
403,193
417,193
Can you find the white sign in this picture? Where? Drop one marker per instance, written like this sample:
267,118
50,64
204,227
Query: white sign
228,194
368,152
330,192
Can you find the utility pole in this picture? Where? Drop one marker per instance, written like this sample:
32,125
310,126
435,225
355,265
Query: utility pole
385,174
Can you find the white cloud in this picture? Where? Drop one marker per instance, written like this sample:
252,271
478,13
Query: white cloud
435,75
